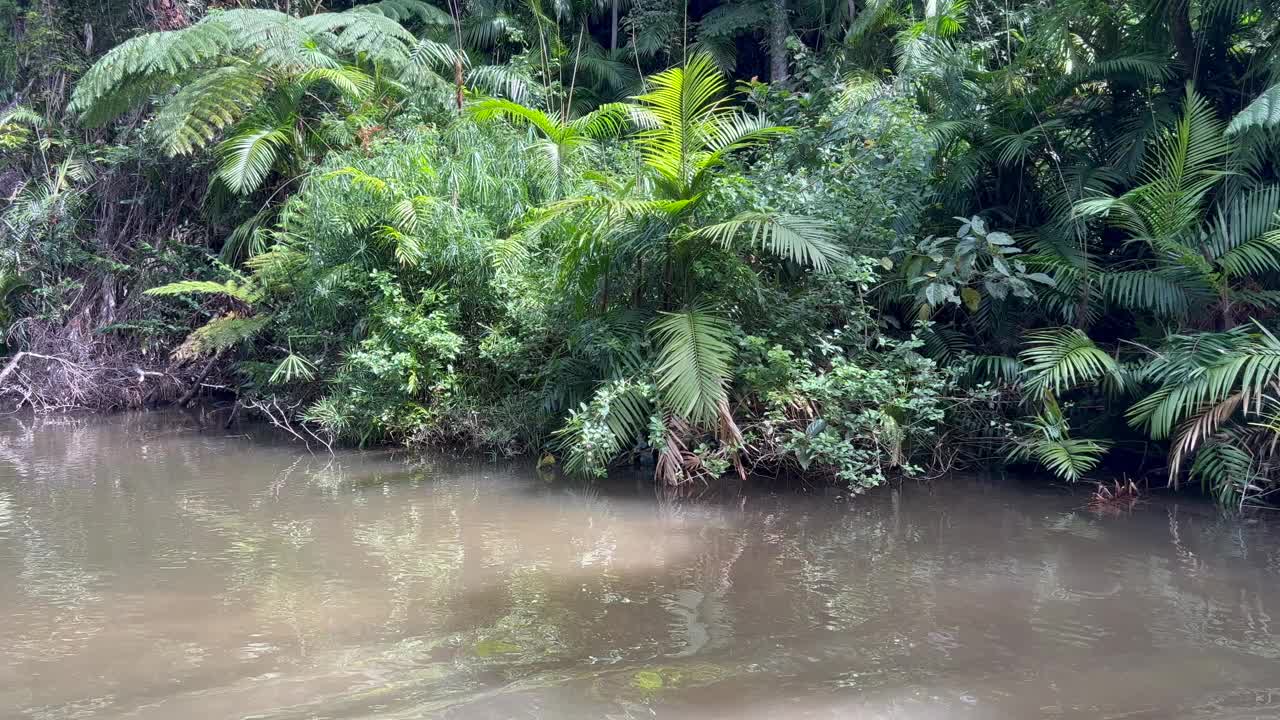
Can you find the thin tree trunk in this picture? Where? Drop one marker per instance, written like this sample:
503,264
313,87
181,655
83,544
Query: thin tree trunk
459,92
778,41
613,29
1183,40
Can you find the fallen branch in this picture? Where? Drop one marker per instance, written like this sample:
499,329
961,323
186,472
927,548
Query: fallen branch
278,415
19,357
191,392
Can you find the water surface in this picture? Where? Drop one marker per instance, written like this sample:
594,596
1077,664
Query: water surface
153,569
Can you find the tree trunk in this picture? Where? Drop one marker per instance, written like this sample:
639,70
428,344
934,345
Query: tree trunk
167,15
853,16
1183,41
457,82
778,41
613,29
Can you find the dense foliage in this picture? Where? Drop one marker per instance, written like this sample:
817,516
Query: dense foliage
942,234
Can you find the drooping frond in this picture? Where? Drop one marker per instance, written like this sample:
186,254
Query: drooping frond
1196,372
244,293
1263,112
1225,467
694,356
1243,238
506,81
368,33
609,120
1063,358
1068,458
154,54
995,368
733,18
219,334
203,107
410,10
349,81
223,64
803,240
429,57
249,156
1164,293
516,114
616,417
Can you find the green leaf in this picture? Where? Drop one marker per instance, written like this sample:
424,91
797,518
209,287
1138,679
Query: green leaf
694,362
1060,359
803,240
249,155
1263,112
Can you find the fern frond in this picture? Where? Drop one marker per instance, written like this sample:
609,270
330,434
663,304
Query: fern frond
193,117
219,334
249,156
244,293
154,55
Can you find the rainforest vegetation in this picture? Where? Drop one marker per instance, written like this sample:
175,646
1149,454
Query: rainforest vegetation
848,241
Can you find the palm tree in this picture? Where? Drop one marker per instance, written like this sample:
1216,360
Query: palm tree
1206,247
560,140
1217,397
662,219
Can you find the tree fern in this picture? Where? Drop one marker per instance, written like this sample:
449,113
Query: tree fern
224,65
219,334
205,106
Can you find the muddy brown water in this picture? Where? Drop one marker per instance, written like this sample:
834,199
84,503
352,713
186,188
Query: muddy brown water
152,569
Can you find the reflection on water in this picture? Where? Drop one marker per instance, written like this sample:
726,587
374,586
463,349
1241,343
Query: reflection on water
157,570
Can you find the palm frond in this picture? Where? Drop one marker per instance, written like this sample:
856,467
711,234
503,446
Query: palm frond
1060,359
249,156
803,240
693,366
1263,112
1194,373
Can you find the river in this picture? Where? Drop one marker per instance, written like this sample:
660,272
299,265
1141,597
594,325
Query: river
153,569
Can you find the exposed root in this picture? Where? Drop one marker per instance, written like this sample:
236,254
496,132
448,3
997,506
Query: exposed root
1119,497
